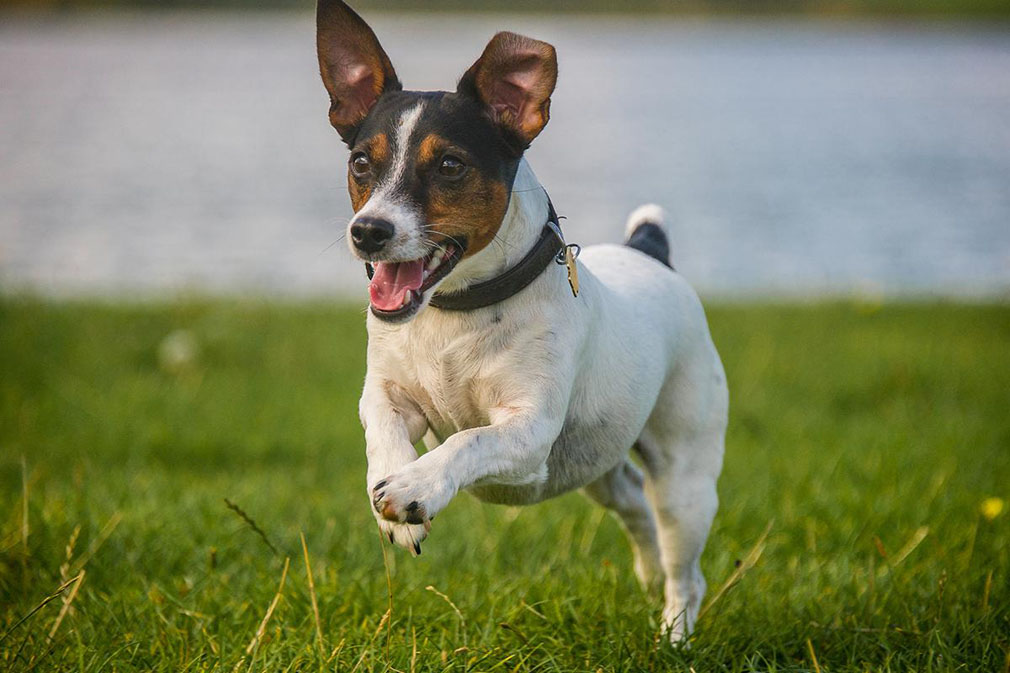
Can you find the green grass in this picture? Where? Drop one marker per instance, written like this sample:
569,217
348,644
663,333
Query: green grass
866,437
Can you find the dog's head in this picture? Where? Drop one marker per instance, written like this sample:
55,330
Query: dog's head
430,173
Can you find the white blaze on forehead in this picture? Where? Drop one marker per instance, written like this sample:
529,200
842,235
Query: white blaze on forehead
401,143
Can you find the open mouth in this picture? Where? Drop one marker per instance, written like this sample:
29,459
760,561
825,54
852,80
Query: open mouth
397,288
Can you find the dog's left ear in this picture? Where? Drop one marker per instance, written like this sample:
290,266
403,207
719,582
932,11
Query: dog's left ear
514,78
355,69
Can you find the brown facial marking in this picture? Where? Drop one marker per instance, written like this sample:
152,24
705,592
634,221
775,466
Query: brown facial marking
472,209
377,149
475,213
487,215
430,149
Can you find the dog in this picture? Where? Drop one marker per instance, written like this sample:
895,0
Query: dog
526,378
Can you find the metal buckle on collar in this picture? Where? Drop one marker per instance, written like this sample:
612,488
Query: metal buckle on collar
566,256
570,248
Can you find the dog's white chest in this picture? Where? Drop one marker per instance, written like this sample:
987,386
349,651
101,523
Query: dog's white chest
449,398
453,379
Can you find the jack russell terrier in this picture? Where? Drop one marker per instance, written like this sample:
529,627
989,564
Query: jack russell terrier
526,379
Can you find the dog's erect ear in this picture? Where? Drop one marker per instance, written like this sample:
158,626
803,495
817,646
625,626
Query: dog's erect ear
514,78
355,69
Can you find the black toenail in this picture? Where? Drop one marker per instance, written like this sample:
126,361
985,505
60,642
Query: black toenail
379,485
417,548
390,534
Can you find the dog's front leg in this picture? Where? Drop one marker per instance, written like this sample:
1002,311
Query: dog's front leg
392,425
513,449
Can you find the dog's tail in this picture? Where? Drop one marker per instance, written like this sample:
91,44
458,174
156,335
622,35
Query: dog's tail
646,232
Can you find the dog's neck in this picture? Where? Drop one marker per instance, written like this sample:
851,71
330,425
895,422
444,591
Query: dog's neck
520,228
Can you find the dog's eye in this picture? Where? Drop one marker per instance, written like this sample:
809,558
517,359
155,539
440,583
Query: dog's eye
360,165
451,167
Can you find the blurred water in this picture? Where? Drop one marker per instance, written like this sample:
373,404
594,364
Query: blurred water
150,153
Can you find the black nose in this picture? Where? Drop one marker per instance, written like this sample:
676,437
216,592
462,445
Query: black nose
371,233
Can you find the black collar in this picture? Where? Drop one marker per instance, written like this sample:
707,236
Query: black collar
547,249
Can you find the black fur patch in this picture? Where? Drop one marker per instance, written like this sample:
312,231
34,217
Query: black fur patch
650,239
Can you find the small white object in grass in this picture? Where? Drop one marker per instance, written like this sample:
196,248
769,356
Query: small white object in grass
178,351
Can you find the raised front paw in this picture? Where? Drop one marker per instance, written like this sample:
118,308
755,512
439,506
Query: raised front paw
394,500
412,494
406,500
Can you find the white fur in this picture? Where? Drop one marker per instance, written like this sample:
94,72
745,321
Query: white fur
651,213
404,130
546,392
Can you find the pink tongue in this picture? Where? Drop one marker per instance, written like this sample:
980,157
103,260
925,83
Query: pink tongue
392,281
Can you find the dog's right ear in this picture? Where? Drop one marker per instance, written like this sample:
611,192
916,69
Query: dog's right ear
355,69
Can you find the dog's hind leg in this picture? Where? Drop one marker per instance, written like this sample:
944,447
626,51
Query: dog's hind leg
682,451
685,502
621,491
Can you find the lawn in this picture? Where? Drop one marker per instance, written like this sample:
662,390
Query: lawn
860,528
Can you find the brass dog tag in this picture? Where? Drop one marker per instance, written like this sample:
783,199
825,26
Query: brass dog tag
573,271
